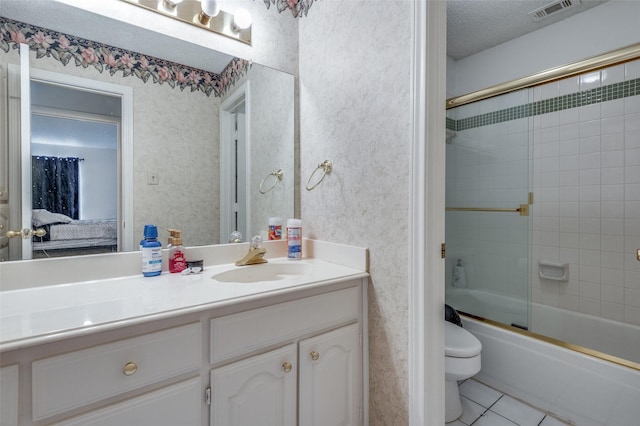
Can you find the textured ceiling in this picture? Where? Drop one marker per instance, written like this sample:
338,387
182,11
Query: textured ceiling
476,25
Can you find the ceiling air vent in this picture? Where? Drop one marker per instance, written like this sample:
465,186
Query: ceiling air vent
552,8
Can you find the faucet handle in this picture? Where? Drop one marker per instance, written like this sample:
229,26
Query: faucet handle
235,237
256,241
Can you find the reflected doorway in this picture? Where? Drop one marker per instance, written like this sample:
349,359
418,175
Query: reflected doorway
74,176
234,165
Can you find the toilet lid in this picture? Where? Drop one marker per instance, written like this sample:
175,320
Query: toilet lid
459,343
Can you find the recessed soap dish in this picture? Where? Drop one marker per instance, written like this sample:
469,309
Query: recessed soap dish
553,271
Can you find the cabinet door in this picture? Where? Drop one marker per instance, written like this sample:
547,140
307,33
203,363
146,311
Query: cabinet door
9,395
331,378
258,391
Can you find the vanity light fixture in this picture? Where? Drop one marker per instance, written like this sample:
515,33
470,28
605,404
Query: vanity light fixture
205,14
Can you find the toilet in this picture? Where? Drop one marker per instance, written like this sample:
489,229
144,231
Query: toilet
461,361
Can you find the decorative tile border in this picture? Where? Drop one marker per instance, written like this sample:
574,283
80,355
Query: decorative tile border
574,100
86,53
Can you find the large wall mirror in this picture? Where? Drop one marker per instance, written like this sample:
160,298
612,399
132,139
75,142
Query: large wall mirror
145,139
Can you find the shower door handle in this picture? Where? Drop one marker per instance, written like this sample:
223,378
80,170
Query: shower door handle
638,255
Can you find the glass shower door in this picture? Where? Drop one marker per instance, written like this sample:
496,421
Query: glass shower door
487,217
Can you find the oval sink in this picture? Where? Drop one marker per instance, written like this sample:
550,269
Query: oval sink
262,272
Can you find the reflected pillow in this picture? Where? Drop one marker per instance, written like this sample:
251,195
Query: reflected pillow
42,217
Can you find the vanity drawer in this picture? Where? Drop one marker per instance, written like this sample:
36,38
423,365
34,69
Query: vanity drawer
71,380
241,333
177,404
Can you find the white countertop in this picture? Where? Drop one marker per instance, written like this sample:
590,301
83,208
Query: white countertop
42,314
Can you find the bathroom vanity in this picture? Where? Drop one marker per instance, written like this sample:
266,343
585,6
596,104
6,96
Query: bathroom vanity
283,346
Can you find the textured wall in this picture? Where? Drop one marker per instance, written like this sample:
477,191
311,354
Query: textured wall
355,110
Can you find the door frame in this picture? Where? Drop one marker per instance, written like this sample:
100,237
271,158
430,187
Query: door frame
426,215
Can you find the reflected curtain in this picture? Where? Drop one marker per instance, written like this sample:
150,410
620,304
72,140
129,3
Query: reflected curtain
55,184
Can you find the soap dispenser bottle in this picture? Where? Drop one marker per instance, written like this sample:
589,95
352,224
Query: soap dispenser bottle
177,261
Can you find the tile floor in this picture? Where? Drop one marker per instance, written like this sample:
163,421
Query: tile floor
484,406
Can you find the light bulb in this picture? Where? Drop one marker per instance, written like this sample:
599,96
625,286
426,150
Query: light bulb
210,8
241,19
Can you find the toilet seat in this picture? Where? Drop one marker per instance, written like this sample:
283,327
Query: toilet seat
459,343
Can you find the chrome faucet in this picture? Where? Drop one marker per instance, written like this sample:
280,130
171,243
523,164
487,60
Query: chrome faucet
256,253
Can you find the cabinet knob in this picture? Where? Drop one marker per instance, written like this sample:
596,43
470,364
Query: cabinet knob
315,355
130,369
287,367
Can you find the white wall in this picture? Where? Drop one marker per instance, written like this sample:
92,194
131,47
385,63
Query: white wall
598,30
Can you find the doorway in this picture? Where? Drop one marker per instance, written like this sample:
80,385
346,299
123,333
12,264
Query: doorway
234,165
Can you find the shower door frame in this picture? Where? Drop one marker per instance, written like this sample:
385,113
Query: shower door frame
615,57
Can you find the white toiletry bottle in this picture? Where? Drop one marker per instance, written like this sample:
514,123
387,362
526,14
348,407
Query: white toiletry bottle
294,239
459,276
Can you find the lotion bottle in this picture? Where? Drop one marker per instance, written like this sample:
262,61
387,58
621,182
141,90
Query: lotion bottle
151,252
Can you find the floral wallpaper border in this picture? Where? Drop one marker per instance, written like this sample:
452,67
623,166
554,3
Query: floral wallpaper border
298,8
86,53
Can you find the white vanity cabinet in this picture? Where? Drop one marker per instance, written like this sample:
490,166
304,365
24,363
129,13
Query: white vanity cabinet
314,379
294,358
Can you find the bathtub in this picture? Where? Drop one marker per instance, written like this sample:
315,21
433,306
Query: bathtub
574,386
599,334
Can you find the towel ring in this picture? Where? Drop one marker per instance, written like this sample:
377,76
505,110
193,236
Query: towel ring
278,177
326,166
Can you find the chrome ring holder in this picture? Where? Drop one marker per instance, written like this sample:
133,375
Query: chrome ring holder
278,177
326,166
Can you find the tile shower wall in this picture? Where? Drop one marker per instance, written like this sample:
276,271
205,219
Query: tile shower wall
585,174
586,177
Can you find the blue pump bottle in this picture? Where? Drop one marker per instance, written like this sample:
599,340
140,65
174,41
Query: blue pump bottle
151,252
